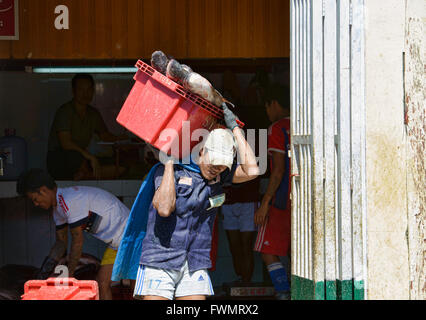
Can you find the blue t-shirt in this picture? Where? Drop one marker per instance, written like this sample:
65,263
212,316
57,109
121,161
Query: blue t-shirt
187,232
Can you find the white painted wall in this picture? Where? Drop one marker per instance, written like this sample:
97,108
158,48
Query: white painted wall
387,225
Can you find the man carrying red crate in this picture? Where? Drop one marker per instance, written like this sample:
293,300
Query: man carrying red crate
169,253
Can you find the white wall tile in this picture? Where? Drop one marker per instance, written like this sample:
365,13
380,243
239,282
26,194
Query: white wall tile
113,186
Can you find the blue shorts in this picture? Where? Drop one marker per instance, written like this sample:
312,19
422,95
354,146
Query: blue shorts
239,216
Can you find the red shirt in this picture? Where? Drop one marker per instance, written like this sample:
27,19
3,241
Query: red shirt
279,141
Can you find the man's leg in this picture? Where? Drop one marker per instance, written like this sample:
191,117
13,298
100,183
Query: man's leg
104,274
155,298
269,259
132,284
274,241
277,272
104,281
247,234
235,246
247,261
232,228
192,298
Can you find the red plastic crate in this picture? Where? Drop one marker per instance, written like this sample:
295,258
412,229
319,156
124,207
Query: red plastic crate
61,289
156,103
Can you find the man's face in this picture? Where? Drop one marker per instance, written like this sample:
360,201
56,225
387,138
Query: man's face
209,171
83,91
43,198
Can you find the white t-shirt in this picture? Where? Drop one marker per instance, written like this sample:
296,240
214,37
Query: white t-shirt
95,210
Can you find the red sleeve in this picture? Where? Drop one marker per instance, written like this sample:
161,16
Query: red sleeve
276,139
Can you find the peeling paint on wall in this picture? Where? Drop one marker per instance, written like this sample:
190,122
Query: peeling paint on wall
415,97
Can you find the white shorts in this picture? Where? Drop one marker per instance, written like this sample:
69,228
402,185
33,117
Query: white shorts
172,284
239,216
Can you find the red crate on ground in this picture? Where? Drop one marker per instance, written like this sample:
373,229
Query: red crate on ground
60,289
156,103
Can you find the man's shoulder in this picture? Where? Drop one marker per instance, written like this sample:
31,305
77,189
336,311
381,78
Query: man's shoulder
279,127
85,190
282,123
77,194
179,171
87,194
69,193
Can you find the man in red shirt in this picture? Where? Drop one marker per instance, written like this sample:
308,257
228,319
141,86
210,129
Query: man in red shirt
273,215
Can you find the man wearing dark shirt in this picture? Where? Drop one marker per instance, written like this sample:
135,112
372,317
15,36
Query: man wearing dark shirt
73,128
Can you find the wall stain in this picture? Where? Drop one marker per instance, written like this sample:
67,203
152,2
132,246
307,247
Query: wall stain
388,167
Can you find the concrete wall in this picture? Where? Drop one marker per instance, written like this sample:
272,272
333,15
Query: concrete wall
415,120
386,157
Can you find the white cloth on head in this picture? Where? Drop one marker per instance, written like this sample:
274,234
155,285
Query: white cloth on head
221,147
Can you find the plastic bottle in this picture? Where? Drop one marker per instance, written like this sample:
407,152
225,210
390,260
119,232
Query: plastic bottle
15,150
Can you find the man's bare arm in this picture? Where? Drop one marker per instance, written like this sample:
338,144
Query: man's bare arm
248,169
62,236
164,200
61,243
67,144
76,249
261,214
